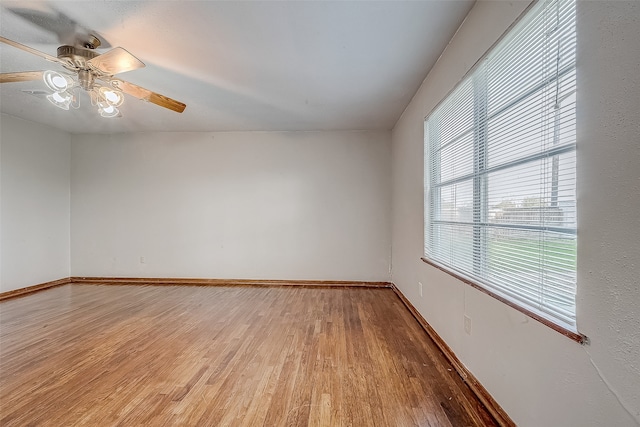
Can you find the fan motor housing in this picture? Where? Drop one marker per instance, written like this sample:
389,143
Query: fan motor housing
76,57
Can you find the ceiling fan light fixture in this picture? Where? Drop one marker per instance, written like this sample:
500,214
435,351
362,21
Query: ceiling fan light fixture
111,96
60,99
107,110
55,81
88,70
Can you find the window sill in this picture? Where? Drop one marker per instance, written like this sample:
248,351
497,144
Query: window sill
577,337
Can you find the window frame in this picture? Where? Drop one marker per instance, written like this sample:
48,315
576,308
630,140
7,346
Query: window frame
479,178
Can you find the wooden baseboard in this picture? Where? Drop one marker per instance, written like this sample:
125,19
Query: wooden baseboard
478,389
35,288
224,282
188,282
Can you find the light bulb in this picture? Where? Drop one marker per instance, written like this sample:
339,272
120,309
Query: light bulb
59,81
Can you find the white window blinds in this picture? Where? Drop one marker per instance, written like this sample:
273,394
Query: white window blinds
500,172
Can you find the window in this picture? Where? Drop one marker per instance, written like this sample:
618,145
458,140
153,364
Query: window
500,169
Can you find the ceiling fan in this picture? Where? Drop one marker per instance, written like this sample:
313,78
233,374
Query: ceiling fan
94,72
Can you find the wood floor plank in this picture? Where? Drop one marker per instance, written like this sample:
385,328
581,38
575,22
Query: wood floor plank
118,355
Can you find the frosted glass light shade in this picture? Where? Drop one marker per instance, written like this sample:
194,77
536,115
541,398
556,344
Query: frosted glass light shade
111,96
56,81
107,110
60,99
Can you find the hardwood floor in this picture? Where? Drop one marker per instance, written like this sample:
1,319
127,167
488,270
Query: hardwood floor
118,355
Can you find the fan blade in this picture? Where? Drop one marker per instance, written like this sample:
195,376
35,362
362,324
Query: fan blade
147,95
31,50
68,31
115,61
24,76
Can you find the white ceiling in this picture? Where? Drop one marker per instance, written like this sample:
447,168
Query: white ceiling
240,65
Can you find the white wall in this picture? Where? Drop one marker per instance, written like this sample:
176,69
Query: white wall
537,375
263,205
34,220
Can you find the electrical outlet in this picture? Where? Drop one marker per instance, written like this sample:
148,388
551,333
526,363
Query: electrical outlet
142,260
420,289
467,324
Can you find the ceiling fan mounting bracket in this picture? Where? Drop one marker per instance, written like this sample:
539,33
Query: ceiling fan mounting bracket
92,42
